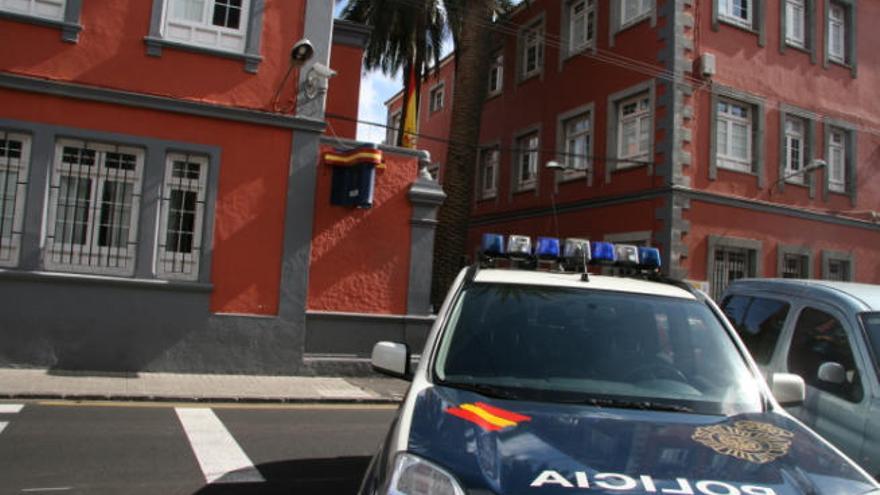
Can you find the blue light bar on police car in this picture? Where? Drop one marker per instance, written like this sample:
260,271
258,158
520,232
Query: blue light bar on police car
547,248
519,246
493,245
576,250
602,252
649,257
626,254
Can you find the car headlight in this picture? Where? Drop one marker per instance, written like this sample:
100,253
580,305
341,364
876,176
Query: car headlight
416,476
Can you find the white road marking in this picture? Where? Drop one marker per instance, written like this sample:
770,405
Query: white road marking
219,455
3,426
10,408
51,489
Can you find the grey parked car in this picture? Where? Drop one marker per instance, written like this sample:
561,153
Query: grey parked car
829,334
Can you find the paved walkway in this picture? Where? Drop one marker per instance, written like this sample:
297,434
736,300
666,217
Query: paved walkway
34,384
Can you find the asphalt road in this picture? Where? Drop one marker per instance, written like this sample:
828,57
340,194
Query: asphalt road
112,448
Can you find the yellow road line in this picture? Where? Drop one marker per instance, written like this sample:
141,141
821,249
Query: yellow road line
217,405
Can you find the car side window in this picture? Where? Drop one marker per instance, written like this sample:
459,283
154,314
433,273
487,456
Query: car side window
758,321
820,338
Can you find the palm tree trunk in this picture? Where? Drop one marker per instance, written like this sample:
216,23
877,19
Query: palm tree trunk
472,71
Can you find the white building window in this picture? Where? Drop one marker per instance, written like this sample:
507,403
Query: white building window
94,201
393,126
837,33
634,10
795,23
527,161
733,134
488,172
582,28
533,50
839,270
634,129
795,266
736,11
182,217
836,160
47,9
436,98
794,149
578,143
218,24
15,150
496,74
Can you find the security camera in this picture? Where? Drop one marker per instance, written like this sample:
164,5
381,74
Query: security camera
323,71
301,52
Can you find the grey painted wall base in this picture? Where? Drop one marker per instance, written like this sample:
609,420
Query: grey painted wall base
353,334
97,327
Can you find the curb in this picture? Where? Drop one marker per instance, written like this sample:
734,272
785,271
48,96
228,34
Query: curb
208,399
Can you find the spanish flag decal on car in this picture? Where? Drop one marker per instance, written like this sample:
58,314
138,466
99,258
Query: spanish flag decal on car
487,417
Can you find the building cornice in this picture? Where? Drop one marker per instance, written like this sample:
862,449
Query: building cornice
160,103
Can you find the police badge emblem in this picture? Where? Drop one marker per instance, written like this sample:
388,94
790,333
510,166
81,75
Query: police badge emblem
750,441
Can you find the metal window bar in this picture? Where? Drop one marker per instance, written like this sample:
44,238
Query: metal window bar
95,195
730,265
183,207
14,158
794,266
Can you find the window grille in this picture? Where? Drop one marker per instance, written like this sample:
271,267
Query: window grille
794,266
182,217
730,264
839,270
14,161
95,193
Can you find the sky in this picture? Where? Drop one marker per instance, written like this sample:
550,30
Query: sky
376,88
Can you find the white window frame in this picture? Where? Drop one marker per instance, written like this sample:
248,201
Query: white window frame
836,147
176,265
436,98
836,20
642,115
577,166
725,123
91,257
642,10
394,122
533,39
204,33
792,135
490,159
527,147
45,9
796,18
725,12
496,74
579,39
10,246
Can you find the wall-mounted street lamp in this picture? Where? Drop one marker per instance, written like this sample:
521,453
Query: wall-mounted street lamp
814,165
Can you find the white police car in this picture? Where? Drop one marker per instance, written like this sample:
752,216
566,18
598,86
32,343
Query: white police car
537,382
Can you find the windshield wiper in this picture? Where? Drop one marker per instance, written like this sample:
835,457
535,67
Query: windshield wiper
493,391
628,404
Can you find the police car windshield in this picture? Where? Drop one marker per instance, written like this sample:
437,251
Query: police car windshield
561,345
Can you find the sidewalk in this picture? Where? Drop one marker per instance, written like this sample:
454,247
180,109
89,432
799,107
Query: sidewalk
46,384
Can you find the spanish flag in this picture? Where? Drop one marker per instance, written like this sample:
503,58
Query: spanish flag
487,417
411,124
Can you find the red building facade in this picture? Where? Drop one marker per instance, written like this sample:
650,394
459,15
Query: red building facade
164,202
698,127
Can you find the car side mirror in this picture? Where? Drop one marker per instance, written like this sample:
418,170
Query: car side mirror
391,358
832,372
788,389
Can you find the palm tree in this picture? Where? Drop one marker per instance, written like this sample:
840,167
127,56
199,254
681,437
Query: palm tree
406,34
409,33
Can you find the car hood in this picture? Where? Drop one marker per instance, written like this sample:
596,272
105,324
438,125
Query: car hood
513,447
